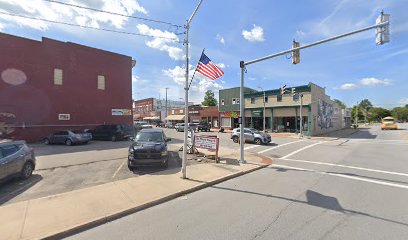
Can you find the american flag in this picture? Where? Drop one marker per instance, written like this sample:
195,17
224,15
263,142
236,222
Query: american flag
208,69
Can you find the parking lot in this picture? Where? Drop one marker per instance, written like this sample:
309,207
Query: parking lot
63,168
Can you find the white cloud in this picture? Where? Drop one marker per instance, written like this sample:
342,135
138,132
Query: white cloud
255,35
221,39
199,85
162,44
403,101
371,82
58,12
221,65
347,86
300,33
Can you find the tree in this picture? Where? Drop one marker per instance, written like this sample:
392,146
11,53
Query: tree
400,113
340,103
353,113
209,99
365,104
377,113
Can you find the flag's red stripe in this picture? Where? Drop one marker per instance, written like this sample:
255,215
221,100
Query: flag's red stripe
206,71
202,71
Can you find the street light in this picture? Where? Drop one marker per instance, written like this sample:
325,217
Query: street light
184,161
264,113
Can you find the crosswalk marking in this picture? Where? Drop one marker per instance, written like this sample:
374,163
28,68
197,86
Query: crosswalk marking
301,149
281,145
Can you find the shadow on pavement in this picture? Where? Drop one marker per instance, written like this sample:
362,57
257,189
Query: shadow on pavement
173,167
12,188
318,200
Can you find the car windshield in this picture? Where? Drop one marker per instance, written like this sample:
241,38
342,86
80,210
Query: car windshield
149,137
254,130
77,131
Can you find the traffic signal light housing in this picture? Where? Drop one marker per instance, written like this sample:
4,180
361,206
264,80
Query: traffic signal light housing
283,89
296,53
383,33
293,92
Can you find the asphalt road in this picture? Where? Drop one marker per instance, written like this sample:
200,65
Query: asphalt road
351,188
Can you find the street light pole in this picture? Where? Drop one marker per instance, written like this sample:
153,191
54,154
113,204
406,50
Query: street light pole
165,117
184,161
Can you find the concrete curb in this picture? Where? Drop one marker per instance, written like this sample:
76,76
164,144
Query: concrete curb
97,222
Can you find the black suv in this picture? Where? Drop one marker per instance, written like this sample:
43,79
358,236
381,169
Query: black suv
203,127
112,132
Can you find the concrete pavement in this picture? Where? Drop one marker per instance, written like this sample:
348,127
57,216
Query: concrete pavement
60,214
350,188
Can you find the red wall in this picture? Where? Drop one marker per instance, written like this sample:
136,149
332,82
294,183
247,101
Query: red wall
30,94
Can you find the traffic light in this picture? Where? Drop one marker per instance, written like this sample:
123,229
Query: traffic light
293,92
382,33
295,54
283,89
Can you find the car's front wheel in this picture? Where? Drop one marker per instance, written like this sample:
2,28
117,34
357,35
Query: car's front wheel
27,170
235,139
47,141
68,142
258,141
113,138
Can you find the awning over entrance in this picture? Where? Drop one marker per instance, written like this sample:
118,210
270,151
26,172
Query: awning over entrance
151,118
175,117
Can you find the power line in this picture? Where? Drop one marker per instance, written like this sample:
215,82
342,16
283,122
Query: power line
89,27
113,13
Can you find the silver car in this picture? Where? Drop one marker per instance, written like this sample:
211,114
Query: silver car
16,159
251,135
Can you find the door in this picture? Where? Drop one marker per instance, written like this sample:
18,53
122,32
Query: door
60,137
248,135
98,133
8,160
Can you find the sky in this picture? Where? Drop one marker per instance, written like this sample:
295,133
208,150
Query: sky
350,69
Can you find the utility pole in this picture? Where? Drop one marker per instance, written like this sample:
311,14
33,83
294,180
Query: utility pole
356,115
165,115
382,27
301,117
184,161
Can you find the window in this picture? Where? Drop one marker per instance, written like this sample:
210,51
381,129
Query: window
266,99
237,100
222,102
172,111
279,98
252,100
233,101
101,82
181,111
58,76
8,150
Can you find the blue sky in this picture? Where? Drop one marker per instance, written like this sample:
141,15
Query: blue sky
351,69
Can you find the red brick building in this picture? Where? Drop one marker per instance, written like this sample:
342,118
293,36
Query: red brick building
50,85
144,108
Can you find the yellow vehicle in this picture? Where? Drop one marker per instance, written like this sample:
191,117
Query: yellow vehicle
388,123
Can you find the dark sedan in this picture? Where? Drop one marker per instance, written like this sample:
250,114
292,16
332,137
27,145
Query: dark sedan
148,148
68,137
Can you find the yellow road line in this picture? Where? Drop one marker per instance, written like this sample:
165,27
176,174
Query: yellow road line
119,168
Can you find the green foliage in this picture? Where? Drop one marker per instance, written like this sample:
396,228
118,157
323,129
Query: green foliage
377,113
400,113
209,99
340,103
366,104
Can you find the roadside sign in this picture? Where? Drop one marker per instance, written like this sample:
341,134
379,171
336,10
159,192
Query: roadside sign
210,143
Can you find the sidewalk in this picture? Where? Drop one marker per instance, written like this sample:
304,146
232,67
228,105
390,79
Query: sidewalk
59,215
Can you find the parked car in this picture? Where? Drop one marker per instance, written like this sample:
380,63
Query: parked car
16,159
160,124
177,126
148,148
146,126
138,125
168,125
389,123
112,132
203,127
191,126
68,137
251,135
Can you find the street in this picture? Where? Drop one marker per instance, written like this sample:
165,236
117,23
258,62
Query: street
350,188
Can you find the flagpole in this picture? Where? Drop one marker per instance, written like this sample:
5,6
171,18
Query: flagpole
196,68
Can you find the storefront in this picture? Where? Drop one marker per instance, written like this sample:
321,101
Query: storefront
210,115
229,120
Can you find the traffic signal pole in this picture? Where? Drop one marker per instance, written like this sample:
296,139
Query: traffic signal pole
382,29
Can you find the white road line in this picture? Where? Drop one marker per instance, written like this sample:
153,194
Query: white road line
299,150
250,147
119,168
344,176
346,166
281,145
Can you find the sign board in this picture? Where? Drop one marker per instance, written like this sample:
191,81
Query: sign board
64,116
257,113
121,112
206,142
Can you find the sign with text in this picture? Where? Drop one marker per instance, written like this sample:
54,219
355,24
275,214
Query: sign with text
206,142
121,112
64,116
